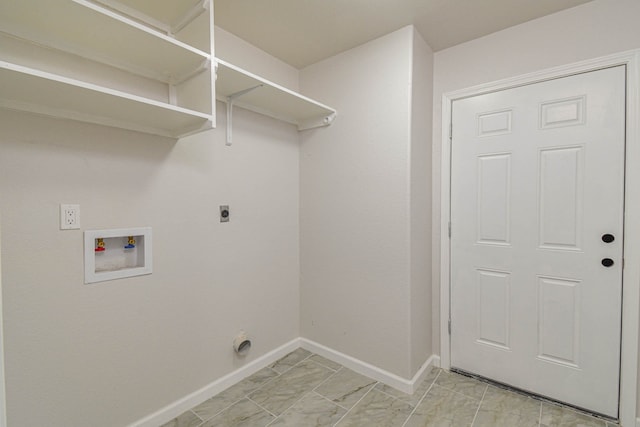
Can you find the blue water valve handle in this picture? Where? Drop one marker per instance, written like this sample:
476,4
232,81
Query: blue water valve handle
131,243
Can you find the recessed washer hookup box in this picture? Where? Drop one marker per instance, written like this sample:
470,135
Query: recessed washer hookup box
116,253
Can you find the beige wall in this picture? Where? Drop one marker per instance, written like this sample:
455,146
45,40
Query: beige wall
111,353
238,52
3,406
420,182
356,246
589,31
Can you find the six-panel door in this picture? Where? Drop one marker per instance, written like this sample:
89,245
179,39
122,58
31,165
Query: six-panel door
537,181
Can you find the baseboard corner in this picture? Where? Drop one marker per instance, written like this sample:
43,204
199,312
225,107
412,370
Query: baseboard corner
176,408
432,362
405,385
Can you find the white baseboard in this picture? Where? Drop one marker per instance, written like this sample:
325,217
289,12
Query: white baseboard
386,377
637,422
176,408
434,360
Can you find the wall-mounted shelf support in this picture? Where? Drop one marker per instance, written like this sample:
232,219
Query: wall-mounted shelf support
188,18
230,100
271,99
136,14
168,85
204,66
170,28
26,89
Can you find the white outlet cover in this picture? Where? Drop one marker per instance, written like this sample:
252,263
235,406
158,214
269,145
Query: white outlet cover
69,217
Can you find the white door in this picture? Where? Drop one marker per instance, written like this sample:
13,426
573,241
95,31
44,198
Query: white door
536,198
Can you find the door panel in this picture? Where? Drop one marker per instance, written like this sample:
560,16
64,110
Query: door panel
537,179
560,197
559,321
493,308
494,172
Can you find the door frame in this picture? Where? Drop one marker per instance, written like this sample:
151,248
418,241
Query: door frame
631,272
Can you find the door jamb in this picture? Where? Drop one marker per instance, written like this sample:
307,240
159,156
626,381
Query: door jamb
631,271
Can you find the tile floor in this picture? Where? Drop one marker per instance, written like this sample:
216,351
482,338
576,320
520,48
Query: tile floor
304,389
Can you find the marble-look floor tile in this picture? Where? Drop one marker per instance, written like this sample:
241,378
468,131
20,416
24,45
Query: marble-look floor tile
217,403
504,408
255,381
279,394
470,387
244,413
557,416
377,409
290,360
326,362
304,389
442,407
311,411
345,387
411,399
187,419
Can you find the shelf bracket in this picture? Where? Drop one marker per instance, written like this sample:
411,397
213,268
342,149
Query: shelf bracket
204,66
192,14
230,100
135,14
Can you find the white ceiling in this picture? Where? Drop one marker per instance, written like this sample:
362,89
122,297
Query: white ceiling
302,32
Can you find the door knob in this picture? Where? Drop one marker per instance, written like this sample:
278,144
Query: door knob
607,262
608,238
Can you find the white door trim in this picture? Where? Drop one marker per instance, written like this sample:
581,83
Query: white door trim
631,273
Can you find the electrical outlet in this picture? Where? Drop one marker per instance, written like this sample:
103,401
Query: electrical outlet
69,217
